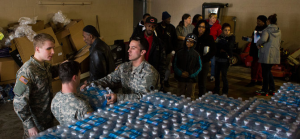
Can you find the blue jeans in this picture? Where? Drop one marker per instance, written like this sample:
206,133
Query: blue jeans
213,64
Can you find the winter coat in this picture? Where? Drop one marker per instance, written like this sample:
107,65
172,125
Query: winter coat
206,40
215,30
253,49
168,36
270,40
226,43
187,60
101,60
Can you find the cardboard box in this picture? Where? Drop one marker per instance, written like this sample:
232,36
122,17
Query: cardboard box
8,69
74,30
66,45
58,55
39,25
25,47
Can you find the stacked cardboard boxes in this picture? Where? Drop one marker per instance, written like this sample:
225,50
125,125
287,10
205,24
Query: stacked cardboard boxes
68,40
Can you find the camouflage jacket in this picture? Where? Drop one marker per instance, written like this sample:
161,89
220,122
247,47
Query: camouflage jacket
66,107
33,91
135,83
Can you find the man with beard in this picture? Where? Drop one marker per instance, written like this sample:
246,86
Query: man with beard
167,33
101,59
156,53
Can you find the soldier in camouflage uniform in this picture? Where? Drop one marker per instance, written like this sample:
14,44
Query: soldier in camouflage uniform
137,77
67,105
33,87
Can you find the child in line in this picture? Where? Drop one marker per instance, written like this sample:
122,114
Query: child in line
187,65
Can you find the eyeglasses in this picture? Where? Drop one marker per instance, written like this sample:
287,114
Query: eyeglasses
201,27
227,30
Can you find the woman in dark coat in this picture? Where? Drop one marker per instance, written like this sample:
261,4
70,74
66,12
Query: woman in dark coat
206,49
256,72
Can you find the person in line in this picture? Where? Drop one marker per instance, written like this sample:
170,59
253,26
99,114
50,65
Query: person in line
184,28
187,65
140,27
196,18
167,33
137,76
256,71
206,49
101,58
155,54
224,44
269,54
215,31
33,87
67,105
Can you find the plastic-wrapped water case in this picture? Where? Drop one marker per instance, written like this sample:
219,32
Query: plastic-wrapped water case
96,96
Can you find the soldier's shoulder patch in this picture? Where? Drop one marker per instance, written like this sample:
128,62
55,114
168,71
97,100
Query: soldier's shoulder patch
23,80
117,67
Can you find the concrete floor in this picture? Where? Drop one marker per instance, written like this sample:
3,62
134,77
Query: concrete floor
238,77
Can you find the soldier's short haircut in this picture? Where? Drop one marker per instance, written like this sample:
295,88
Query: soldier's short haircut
40,38
144,45
67,70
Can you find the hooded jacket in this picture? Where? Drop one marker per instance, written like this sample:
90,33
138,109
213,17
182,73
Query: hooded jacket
187,60
101,60
226,43
216,29
270,40
168,36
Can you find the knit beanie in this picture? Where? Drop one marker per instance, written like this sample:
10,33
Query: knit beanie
165,15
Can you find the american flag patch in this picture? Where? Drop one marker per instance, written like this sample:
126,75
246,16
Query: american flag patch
23,80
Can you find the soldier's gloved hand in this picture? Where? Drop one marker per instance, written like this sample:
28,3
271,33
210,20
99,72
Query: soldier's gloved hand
33,131
113,98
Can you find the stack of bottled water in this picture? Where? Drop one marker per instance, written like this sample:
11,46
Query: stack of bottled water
287,96
269,119
166,116
96,96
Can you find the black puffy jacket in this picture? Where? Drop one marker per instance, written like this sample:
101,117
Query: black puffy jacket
101,60
168,36
225,43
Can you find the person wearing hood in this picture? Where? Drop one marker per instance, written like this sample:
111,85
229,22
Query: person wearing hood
215,31
224,44
256,75
206,49
269,53
187,65
140,27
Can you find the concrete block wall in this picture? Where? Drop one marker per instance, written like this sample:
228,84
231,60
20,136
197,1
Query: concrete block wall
246,12
115,16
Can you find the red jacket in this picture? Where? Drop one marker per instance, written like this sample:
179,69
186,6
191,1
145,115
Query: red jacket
215,30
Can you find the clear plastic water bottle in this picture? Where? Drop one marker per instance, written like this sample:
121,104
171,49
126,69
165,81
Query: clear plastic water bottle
185,109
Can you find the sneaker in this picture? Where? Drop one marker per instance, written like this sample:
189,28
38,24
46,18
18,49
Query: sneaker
212,78
259,83
271,92
251,84
166,83
262,93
